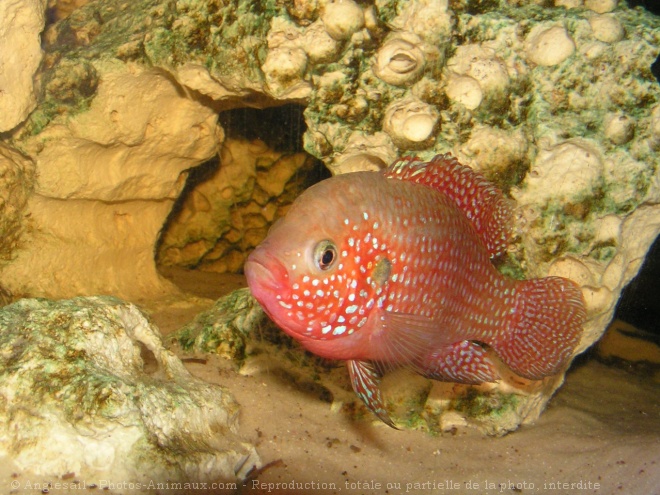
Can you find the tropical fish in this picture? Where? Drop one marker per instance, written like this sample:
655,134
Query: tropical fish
393,268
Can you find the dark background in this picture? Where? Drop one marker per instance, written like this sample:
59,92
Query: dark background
640,302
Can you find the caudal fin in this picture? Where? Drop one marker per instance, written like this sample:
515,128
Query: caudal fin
545,327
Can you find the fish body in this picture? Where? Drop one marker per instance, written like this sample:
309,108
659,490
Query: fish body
393,268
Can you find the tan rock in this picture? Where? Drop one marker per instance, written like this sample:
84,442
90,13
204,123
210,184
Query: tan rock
21,23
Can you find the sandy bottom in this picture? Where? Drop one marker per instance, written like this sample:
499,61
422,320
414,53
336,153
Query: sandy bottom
600,434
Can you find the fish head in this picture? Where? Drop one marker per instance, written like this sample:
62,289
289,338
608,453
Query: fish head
312,273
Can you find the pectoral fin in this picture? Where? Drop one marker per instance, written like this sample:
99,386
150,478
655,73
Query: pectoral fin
404,339
365,380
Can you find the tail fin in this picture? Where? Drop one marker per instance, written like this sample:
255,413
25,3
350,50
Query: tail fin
545,327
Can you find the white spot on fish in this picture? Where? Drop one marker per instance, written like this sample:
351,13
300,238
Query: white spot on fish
326,329
339,330
365,215
285,305
351,309
320,293
305,279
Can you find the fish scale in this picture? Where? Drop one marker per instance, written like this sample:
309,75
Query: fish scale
393,268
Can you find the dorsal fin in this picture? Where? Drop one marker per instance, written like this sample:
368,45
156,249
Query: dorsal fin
484,204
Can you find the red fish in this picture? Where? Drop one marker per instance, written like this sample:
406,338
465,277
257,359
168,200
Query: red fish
393,268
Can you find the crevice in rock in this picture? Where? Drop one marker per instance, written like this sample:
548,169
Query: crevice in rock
229,202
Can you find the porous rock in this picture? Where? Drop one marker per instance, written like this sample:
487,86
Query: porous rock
76,398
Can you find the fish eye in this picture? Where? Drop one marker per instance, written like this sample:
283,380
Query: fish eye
325,255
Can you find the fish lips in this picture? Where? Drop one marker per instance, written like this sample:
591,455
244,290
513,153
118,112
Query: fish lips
267,278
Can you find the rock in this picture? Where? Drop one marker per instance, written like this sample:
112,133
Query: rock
570,168
619,128
342,18
75,397
607,28
475,62
21,23
410,123
229,212
284,68
493,151
17,175
549,46
464,90
94,187
601,6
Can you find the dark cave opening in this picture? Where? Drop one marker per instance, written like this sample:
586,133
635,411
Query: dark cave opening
228,203
639,303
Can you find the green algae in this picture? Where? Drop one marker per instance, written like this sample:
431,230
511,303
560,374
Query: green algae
224,329
485,407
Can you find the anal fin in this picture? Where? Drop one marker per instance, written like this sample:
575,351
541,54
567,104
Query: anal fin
463,362
365,380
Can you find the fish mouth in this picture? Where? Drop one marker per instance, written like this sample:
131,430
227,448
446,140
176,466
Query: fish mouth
266,277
